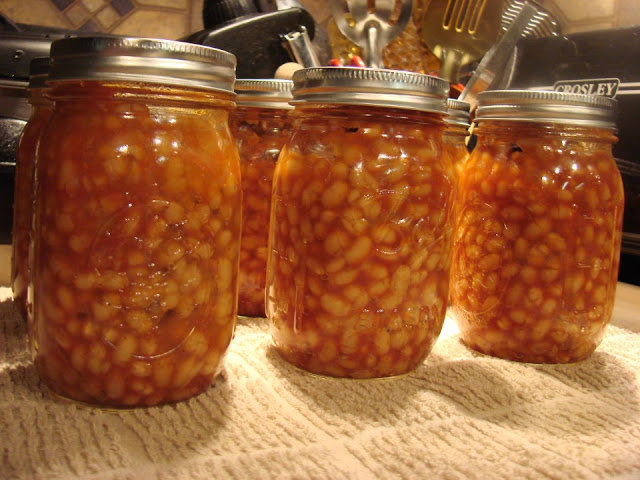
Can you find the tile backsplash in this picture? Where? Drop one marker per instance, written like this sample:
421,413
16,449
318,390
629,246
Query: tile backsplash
170,19
174,19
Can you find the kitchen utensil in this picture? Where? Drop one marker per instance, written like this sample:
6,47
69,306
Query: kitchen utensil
541,25
372,28
496,58
460,31
299,45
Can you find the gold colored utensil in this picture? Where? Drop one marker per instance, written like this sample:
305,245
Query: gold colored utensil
460,31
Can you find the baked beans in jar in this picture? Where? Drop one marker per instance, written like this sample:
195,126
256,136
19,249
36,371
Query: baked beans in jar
138,210
260,127
537,246
361,230
23,191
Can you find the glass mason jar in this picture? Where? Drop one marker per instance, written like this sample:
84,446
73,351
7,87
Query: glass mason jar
260,127
455,134
41,108
138,206
361,231
537,245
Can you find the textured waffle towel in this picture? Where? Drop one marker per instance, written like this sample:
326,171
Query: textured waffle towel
459,416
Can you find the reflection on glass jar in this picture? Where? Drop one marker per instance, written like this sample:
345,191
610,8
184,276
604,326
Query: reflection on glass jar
361,229
455,134
138,206
23,197
454,140
260,128
538,242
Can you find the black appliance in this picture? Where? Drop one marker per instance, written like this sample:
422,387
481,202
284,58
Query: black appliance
600,62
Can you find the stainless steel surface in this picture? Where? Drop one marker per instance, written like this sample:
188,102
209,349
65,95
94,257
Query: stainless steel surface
546,107
495,60
10,132
371,29
371,87
541,25
264,93
15,110
142,59
299,45
14,99
17,50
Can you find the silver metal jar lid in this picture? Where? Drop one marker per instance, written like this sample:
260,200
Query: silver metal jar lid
459,113
264,93
370,87
38,72
148,60
546,107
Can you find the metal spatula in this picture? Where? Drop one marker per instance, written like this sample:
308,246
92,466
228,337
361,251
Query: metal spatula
372,28
460,31
495,60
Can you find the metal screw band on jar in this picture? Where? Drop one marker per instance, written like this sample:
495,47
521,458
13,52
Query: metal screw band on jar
456,132
263,93
458,113
371,87
546,107
142,60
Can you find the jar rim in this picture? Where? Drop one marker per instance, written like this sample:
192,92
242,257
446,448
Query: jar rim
138,59
459,113
544,106
370,87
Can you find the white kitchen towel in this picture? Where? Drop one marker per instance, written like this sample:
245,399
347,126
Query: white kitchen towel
461,415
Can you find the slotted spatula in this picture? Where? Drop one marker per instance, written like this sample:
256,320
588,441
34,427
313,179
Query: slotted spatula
496,59
372,28
460,31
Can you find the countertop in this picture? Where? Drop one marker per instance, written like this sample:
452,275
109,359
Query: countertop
460,415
